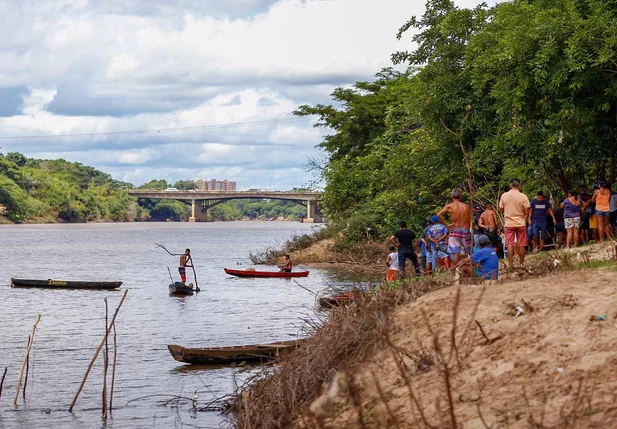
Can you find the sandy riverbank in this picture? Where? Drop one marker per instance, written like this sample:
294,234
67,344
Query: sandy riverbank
542,360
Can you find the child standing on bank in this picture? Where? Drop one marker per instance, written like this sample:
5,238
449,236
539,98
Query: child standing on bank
392,263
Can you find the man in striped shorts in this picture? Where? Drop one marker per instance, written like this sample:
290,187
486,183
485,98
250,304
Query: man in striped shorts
460,235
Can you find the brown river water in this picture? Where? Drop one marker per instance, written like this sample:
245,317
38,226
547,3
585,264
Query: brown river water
228,311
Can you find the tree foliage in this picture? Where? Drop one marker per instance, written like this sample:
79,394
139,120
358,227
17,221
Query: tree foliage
526,88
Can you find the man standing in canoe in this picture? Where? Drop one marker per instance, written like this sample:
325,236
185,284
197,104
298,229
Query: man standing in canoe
185,261
460,214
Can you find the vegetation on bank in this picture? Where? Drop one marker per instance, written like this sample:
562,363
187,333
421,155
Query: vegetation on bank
34,190
523,89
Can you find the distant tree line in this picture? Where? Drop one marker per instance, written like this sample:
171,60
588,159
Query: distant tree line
34,190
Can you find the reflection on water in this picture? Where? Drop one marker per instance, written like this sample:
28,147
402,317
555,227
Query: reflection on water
228,311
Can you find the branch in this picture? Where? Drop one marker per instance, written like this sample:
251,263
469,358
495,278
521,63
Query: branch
448,128
165,249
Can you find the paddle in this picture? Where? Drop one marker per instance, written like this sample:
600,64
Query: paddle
190,259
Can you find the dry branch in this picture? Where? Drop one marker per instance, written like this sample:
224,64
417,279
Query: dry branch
23,365
98,350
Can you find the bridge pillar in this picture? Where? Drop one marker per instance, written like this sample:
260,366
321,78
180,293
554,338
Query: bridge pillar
197,215
311,214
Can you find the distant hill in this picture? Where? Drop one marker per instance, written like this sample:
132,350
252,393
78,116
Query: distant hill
38,191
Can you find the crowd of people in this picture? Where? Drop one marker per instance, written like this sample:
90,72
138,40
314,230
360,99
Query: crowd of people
527,226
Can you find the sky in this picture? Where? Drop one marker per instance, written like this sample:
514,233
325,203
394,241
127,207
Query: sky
211,83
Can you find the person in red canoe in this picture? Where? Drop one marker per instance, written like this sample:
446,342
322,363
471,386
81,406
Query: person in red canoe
286,268
185,261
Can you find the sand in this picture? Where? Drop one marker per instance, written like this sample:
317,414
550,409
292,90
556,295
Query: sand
547,364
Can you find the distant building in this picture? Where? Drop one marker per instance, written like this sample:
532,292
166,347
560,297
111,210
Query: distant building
215,185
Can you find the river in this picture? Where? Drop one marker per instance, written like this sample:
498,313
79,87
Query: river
228,311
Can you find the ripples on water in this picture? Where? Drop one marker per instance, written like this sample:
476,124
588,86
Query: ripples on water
228,311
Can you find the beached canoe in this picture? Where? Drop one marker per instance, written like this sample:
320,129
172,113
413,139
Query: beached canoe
180,289
339,300
227,355
252,273
62,284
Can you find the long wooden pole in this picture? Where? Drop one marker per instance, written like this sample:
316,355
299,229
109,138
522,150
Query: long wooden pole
23,364
106,359
113,373
23,395
98,350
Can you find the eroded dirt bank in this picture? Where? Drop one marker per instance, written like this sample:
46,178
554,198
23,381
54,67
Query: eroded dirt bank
533,353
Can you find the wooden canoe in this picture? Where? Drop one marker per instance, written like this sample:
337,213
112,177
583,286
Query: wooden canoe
62,284
264,274
227,355
180,289
339,300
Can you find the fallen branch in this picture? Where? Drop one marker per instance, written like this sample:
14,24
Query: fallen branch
83,382
23,365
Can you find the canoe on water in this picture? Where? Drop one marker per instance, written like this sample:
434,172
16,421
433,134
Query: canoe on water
62,284
227,355
179,288
263,274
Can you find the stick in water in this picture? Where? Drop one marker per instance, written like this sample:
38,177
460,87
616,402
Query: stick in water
113,374
106,361
23,394
113,320
23,365
2,382
170,276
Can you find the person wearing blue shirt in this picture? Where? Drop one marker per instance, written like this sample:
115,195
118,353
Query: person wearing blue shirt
540,210
484,262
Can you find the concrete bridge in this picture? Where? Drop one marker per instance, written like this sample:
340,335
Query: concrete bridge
201,201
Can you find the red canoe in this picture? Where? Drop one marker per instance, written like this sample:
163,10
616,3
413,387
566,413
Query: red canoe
252,273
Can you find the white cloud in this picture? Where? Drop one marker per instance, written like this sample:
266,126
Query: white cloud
102,67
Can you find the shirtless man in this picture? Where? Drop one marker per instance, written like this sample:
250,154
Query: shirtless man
490,223
288,266
185,261
460,214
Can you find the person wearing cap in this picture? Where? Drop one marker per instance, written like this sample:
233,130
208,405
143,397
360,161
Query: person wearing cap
484,263
437,235
515,207
460,235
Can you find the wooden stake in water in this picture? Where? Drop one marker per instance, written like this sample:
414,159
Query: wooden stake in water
106,361
23,365
113,373
23,393
2,382
96,354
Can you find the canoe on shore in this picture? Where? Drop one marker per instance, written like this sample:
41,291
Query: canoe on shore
264,274
227,355
180,289
339,300
62,284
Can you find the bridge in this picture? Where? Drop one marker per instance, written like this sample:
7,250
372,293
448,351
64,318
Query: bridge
202,201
